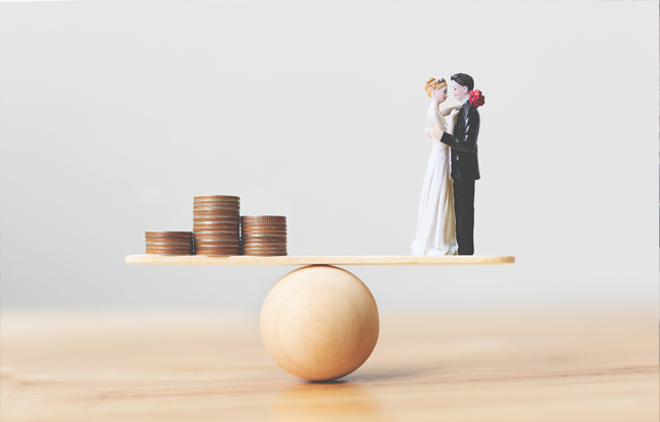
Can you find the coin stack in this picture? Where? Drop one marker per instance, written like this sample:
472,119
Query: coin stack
215,225
169,243
263,235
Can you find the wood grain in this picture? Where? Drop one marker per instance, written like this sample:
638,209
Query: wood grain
315,260
587,365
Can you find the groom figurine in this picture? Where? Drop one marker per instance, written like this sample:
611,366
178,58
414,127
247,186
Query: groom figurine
464,164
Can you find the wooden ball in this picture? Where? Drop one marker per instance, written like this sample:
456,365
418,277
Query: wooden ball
319,322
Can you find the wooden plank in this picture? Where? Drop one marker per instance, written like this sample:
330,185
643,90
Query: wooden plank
533,365
316,260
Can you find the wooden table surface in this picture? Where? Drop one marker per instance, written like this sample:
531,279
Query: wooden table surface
587,365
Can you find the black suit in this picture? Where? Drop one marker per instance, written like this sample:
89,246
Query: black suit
464,171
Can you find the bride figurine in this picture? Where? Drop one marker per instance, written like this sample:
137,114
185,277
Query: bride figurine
436,231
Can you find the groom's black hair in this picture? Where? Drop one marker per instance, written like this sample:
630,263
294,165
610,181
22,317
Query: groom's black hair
463,79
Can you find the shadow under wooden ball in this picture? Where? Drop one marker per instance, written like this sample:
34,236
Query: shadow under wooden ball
319,322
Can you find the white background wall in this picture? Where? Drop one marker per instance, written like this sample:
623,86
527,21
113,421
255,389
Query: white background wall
114,115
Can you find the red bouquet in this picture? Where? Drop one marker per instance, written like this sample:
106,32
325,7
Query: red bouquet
477,98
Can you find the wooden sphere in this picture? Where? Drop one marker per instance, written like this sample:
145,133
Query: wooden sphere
319,322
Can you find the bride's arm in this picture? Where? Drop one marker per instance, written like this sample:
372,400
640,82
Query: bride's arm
447,111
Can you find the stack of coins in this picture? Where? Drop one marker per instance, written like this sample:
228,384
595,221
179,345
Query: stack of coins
169,243
263,235
215,224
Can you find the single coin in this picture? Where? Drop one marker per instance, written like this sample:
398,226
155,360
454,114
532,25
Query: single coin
263,236
217,250
217,197
158,251
262,224
201,216
217,233
169,249
251,232
212,214
168,238
264,217
169,234
214,254
260,250
166,253
209,222
169,243
216,208
262,239
265,254
229,251
222,250
234,207
228,239
268,243
214,229
216,242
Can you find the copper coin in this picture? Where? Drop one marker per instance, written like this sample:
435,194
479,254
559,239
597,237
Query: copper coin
212,214
250,232
261,239
259,250
206,234
167,234
266,254
216,206
216,232
213,253
229,251
216,210
264,226
226,236
217,198
170,254
218,251
264,245
169,243
263,236
215,217
224,224
264,217
217,254
161,233
168,238
180,251
230,243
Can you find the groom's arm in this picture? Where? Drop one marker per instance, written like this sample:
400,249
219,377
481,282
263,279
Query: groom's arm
467,143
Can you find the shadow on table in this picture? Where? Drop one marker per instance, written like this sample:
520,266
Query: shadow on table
328,401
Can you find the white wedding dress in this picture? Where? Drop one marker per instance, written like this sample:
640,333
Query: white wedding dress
436,231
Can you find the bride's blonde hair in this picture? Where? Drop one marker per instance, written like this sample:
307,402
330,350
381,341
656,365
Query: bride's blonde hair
432,84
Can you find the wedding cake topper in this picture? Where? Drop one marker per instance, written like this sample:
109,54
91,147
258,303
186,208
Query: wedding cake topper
445,221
